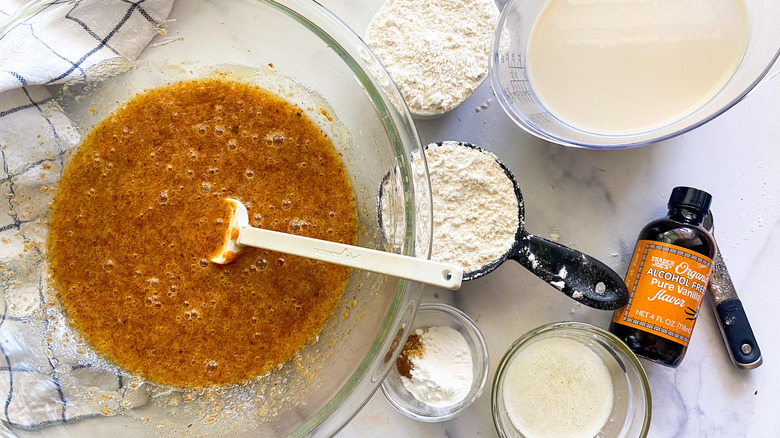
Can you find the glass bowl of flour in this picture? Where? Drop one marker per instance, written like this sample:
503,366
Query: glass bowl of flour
436,54
443,367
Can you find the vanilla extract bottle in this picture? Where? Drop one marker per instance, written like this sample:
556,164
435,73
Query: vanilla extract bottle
667,280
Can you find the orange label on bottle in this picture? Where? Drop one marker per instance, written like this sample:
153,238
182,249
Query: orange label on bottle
666,284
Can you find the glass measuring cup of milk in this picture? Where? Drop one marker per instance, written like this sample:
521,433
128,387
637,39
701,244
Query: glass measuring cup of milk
512,84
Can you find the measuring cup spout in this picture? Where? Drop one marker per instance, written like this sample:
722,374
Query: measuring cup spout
577,275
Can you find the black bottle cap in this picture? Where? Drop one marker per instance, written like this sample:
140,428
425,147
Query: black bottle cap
690,197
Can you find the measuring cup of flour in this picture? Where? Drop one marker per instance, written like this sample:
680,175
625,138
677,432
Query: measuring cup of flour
478,223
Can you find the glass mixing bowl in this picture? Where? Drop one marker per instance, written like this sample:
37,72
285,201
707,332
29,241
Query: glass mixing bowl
297,49
509,78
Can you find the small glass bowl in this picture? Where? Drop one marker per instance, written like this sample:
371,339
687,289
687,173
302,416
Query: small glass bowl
431,315
632,406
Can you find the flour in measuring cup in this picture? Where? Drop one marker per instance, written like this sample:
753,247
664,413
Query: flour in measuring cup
475,208
436,51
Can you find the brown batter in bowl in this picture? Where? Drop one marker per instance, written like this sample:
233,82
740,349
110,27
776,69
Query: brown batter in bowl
298,51
141,206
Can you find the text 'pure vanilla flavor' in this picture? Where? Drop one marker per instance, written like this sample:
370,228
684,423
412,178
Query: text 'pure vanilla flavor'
667,280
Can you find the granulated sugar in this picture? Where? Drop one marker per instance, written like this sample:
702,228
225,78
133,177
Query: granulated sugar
558,387
436,51
475,209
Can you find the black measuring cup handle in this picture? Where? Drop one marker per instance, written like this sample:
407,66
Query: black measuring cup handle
577,275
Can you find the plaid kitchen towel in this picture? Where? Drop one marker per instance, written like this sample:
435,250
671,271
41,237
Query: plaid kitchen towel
44,43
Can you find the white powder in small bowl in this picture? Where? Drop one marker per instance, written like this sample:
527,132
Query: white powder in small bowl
442,370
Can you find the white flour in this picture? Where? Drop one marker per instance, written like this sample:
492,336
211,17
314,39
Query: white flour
443,375
475,209
436,51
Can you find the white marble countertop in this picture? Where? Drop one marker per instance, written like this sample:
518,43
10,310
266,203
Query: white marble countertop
597,202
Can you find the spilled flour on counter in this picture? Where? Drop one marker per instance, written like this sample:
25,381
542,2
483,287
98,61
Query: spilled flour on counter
475,209
436,366
436,51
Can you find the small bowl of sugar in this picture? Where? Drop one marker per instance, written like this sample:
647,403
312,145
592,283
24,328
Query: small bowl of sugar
442,368
570,379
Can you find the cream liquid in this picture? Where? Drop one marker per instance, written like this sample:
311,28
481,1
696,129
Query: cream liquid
627,66
557,387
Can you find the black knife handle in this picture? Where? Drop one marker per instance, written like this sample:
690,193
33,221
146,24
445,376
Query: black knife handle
738,335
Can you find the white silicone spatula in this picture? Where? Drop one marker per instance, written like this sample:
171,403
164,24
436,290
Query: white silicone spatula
240,233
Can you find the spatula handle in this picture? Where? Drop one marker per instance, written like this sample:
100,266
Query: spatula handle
445,275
